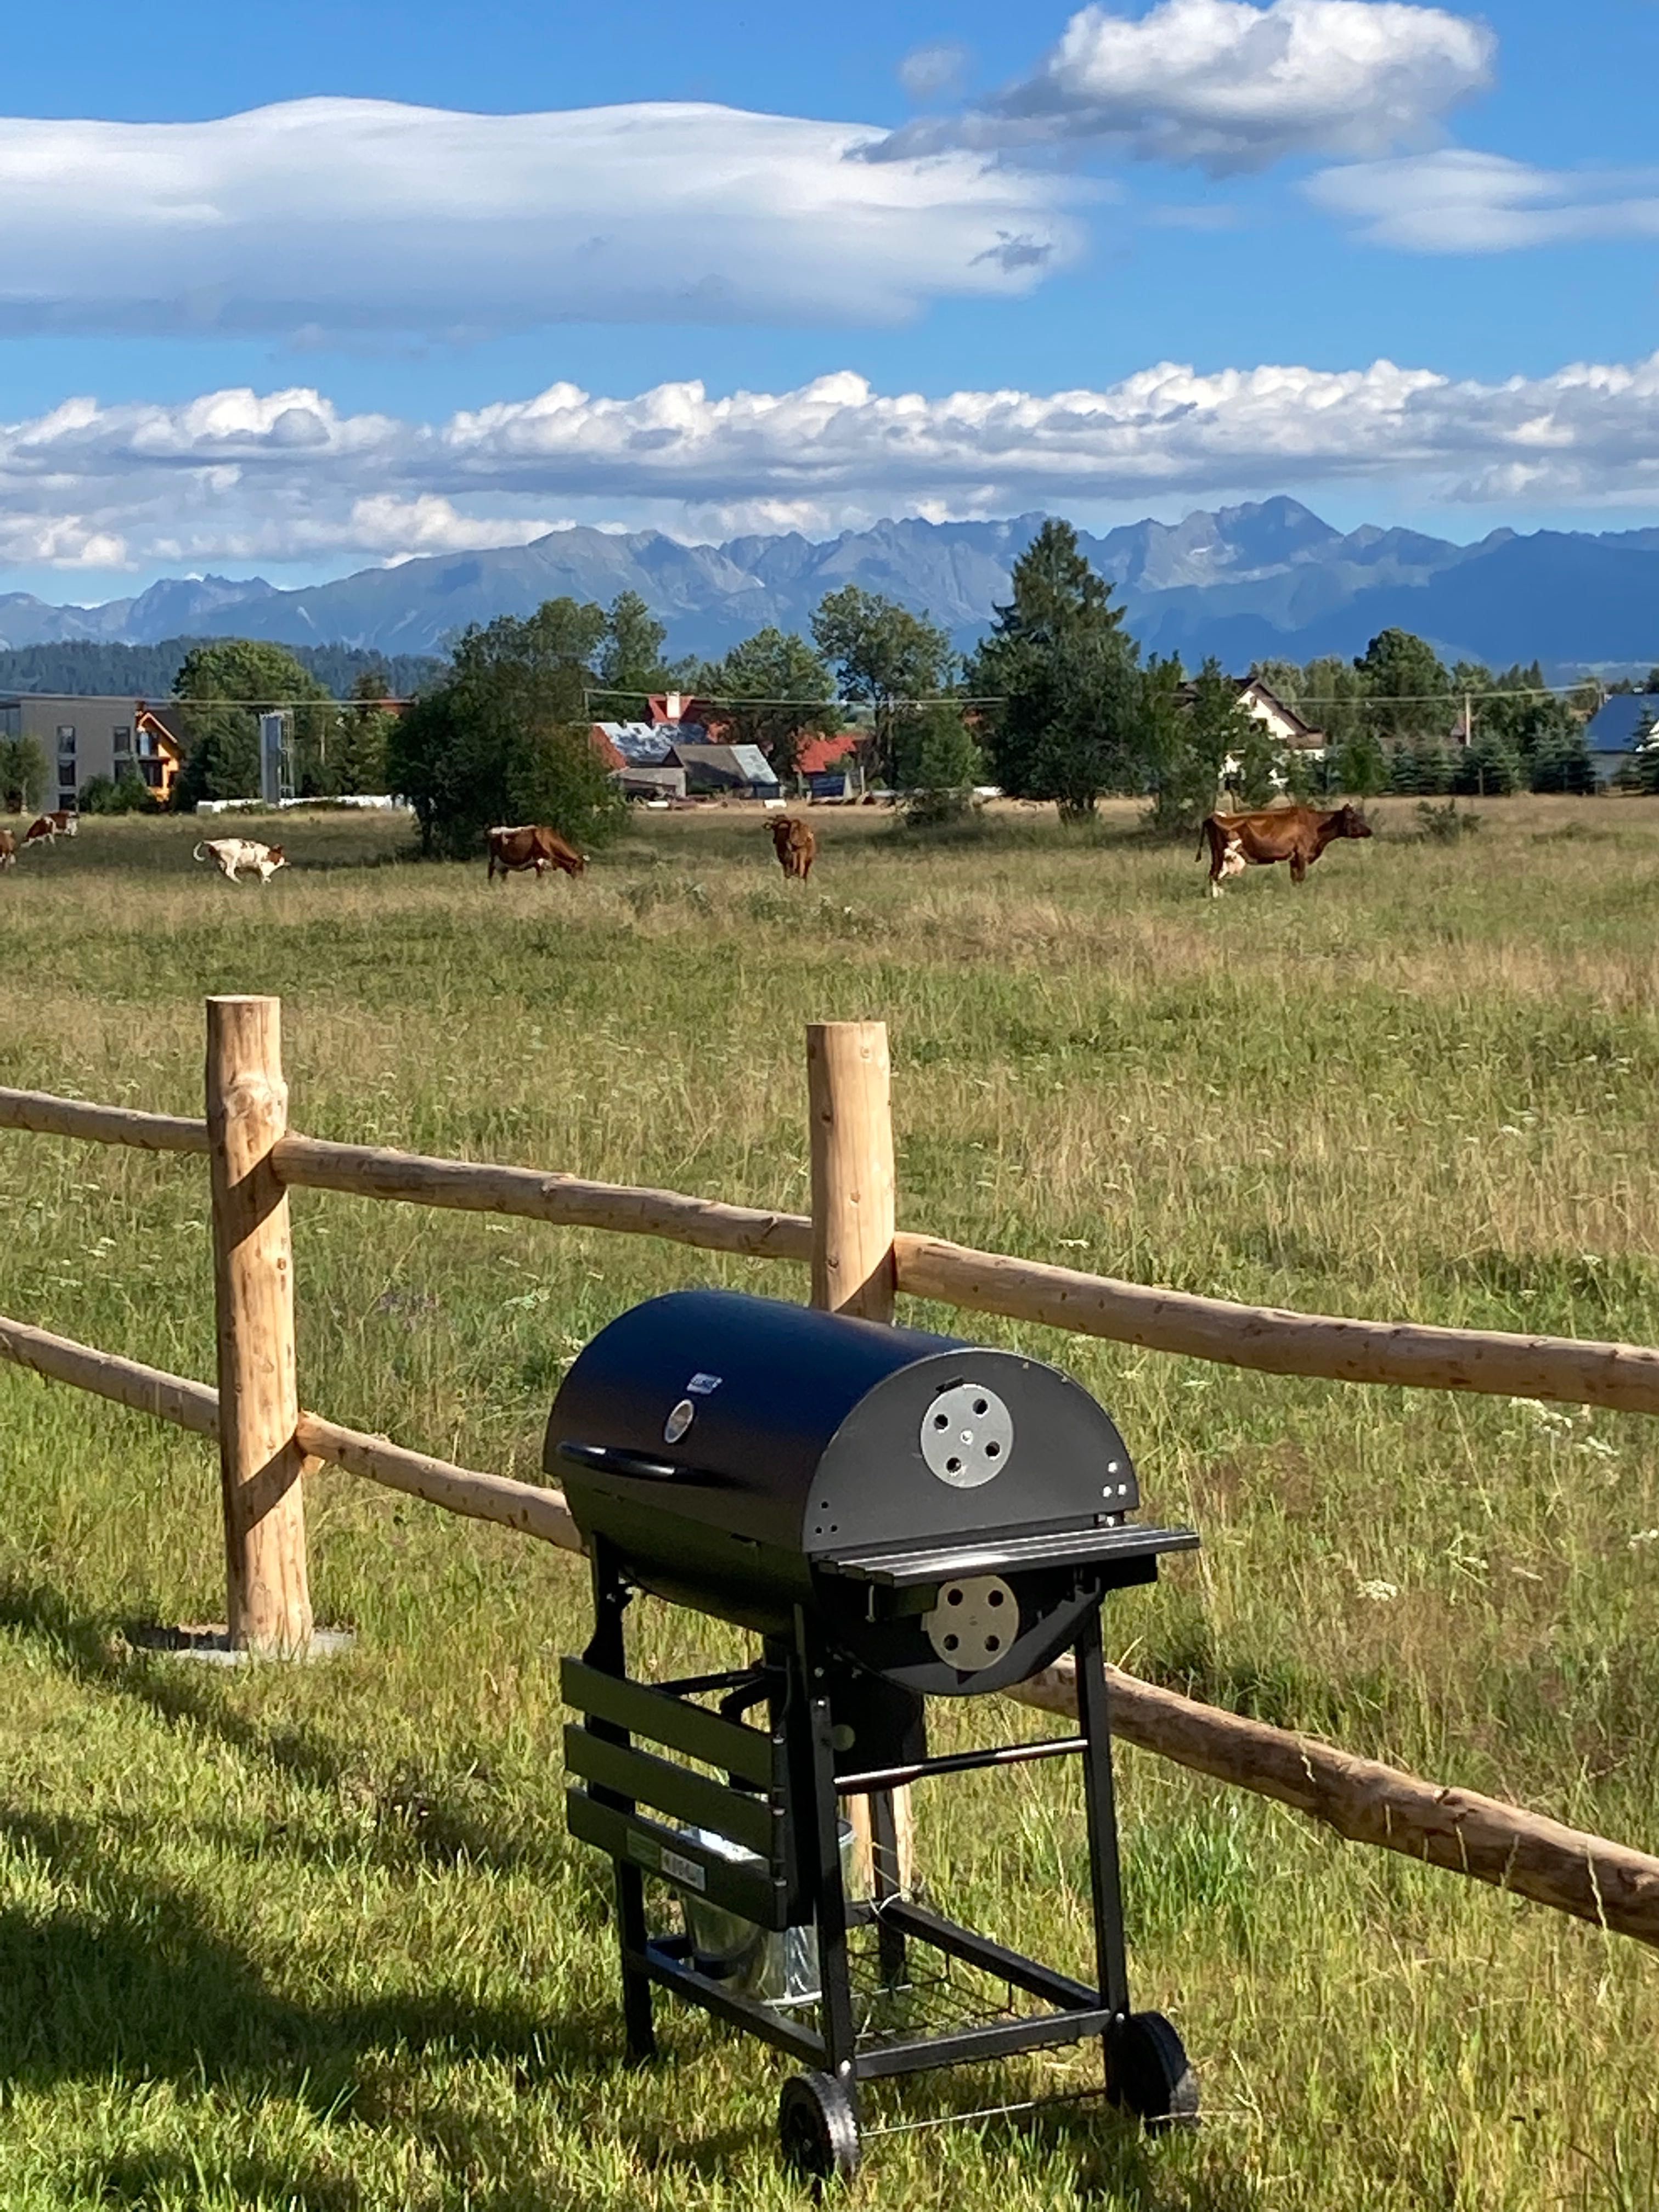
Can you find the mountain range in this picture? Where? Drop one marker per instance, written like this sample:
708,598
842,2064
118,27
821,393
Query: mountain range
1247,583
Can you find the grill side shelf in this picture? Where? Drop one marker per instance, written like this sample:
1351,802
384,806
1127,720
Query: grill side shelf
672,1789
1049,1547
674,1722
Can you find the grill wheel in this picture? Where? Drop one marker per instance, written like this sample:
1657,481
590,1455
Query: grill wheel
818,2129
1148,2072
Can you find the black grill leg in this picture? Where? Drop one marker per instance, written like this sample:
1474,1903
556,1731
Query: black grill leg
821,1840
1100,1805
608,1652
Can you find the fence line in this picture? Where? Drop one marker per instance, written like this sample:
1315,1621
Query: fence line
858,1260
1329,1347
1360,1799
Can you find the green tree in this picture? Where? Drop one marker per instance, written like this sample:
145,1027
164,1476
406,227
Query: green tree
1065,681
504,735
1260,761
22,774
630,663
937,763
1409,689
882,654
1332,698
365,728
1562,763
1421,765
226,685
773,692
1488,767
1362,766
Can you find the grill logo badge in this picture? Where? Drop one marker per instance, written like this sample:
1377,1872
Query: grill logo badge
678,1421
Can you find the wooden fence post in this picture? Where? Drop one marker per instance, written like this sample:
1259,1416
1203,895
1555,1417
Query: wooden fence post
853,1185
260,1460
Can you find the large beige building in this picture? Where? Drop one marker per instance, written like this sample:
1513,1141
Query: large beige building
82,737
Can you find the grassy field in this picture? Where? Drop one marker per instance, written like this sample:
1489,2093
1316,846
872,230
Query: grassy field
315,1936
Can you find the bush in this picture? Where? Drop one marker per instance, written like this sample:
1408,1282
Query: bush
127,794
1446,824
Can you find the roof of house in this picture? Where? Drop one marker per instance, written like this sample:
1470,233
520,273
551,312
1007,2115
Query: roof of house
676,706
816,754
1618,723
154,720
732,763
1270,697
639,745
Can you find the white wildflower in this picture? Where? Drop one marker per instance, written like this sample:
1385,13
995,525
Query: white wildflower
1643,1536
1379,1593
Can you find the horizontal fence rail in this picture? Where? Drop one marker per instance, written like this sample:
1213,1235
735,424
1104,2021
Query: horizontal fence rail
1573,1370
365,1171
1459,1830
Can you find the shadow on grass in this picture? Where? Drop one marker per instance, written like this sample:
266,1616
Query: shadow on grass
421,1818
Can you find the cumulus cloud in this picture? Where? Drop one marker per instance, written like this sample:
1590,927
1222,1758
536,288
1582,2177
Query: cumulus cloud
1459,202
285,477
1230,86
327,216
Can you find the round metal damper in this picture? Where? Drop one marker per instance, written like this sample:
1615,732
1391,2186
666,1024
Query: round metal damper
966,1435
973,1622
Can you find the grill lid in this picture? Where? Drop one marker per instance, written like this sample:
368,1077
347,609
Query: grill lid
822,1437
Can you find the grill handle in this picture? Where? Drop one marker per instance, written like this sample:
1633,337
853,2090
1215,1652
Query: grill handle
607,1459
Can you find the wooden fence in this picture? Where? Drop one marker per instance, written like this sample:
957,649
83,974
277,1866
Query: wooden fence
859,1261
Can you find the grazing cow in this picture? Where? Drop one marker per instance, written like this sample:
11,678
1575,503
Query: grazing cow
7,849
1296,834
229,853
795,846
46,828
530,845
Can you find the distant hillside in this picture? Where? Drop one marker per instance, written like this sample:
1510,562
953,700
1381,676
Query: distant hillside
1247,582
147,672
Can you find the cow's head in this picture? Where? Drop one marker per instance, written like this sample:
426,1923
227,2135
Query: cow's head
1350,823
275,857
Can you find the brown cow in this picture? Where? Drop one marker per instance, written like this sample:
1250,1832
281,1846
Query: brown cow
46,828
7,849
1296,834
795,846
530,845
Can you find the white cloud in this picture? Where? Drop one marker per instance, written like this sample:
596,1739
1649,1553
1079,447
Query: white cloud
285,477
1459,202
1232,86
936,71
326,216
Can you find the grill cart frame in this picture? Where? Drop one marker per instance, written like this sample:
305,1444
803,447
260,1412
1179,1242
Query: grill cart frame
854,1637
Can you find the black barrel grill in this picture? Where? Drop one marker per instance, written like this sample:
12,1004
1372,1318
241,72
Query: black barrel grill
897,1516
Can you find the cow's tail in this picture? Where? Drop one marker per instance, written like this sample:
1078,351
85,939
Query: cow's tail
200,850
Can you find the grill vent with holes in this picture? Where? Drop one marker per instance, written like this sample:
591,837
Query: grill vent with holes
895,1516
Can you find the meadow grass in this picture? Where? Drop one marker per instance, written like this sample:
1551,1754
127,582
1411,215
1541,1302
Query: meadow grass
316,1937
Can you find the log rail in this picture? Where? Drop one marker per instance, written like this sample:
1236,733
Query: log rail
859,1260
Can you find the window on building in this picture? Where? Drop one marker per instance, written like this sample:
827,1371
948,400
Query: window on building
66,741
123,741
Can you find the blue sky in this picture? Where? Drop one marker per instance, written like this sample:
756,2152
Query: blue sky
322,335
